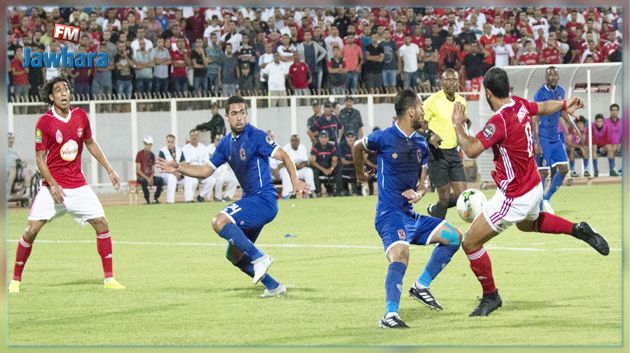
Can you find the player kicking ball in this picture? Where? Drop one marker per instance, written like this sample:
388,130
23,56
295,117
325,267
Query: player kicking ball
402,170
59,137
247,150
519,191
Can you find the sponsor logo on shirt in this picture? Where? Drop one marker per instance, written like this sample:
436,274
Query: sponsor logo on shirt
69,150
38,136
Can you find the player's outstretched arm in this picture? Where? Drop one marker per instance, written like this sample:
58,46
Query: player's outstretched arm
55,190
552,106
96,151
358,158
194,171
471,146
298,185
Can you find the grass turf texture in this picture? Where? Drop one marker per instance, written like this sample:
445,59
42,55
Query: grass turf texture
182,291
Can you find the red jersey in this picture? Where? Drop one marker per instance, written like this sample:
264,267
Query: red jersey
63,140
551,56
299,75
529,59
509,133
486,42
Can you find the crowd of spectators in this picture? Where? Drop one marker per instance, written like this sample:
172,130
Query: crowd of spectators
215,51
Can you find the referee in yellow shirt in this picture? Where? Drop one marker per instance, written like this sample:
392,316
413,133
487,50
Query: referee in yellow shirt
446,170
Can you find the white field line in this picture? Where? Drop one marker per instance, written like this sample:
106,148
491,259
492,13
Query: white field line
305,246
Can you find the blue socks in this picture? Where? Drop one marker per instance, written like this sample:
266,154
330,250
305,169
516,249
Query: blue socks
611,164
393,286
245,265
572,165
556,181
235,236
595,165
440,257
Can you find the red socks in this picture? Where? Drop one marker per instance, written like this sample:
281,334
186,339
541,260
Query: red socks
104,248
482,268
23,252
550,223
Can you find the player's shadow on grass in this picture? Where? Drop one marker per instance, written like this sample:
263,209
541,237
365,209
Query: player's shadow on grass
81,282
255,291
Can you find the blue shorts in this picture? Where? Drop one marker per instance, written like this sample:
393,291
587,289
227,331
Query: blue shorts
251,213
398,227
554,153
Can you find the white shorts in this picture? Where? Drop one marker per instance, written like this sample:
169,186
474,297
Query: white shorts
81,202
501,211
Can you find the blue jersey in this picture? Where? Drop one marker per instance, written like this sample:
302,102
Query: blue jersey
248,155
399,159
548,130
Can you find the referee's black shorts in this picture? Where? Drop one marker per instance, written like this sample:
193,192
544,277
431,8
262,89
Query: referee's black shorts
446,167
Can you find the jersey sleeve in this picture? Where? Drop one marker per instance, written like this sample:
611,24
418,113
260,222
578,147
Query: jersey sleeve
493,133
266,146
538,97
532,107
41,137
373,141
87,133
219,156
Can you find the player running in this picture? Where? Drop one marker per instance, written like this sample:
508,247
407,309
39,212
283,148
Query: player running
247,150
519,190
401,153
547,140
59,137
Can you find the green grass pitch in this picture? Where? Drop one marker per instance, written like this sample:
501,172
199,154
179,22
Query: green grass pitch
182,291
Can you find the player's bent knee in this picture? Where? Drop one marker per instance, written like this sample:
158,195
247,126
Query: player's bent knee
32,229
219,221
451,235
399,253
100,224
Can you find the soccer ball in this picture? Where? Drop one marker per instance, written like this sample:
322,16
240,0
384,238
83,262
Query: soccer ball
470,204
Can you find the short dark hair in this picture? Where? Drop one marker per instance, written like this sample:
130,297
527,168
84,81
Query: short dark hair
47,90
404,100
614,105
234,100
171,135
496,80
599,116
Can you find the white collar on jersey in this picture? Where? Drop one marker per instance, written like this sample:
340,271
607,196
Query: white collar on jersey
549,89
402,132
66,119
511,103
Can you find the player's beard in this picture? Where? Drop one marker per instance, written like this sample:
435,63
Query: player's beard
489,103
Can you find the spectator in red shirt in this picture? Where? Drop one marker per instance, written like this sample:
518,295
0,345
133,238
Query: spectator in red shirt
145,162
180,59
529,56
19,75
487,41
299,76
551,54
449,55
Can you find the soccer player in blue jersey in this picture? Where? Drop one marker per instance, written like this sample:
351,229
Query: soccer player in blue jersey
247,150
402,169
547,141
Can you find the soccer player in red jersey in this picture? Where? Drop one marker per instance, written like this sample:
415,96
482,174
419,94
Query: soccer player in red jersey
59,137
519,192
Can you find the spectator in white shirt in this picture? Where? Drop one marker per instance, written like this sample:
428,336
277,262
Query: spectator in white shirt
297,152
503,53
276,75
408,55
333,39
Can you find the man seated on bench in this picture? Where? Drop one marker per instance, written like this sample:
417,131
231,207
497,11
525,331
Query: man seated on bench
324,163
17,172
297,153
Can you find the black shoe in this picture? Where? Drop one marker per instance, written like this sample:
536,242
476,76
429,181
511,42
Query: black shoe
613,173
200,199
424,296
587,174
148,202
596,173
429,209
156,201
392,322
584,232
488,304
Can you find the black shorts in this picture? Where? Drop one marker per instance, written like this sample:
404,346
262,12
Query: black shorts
446,168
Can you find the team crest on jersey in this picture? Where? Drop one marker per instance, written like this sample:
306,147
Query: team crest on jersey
80,132
489,130
59,136
394,155
270,140
419,155
242,154
401,234
38,136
